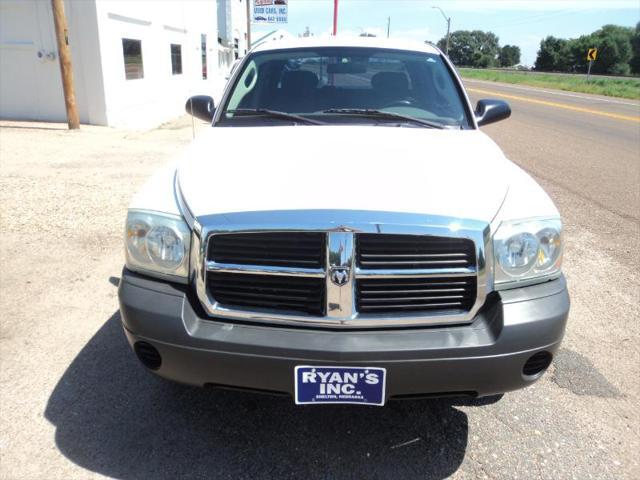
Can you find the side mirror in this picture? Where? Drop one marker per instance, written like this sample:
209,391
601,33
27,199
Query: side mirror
201,106
491,111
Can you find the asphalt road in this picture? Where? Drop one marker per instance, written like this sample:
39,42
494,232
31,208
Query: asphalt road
589,144
74,402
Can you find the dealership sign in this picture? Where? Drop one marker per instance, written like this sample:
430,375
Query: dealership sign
270,11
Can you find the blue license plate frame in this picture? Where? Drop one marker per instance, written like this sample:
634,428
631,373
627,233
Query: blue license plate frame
321,385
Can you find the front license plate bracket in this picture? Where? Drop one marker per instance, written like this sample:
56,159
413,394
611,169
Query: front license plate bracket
327,384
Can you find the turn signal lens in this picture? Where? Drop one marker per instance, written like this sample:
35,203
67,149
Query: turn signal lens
136,239
550,248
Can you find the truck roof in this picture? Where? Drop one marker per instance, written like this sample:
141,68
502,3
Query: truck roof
338,41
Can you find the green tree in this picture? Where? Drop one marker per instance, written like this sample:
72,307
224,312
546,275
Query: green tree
461,47
554,55
509,56
472,48
578,48
634,63
614,50
615,45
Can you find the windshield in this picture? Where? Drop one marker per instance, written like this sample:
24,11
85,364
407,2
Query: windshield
345,85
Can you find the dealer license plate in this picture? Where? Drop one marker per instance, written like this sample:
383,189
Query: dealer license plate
361,385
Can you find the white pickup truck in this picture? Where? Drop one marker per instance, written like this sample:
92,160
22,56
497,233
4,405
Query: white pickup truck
345,233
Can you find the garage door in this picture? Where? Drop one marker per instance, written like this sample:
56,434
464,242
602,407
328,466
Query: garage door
30,85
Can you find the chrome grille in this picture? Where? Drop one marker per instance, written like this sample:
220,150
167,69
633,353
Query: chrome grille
388,295
413,252
297,294
336,284
281,249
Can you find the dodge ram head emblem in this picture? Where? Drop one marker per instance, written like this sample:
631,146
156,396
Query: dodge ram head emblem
340,276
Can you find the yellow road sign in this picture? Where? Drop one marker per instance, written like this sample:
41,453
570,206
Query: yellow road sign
592,54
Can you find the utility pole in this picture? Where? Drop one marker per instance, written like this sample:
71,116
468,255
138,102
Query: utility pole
448,19
66,69
248,25
335,17
388,26
448,35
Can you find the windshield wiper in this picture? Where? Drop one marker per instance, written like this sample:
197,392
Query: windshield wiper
274,114
372,113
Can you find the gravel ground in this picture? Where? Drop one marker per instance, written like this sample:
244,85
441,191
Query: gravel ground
74,402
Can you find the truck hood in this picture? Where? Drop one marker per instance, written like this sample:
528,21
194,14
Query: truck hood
460,174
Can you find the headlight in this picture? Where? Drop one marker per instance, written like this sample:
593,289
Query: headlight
527,251
157,244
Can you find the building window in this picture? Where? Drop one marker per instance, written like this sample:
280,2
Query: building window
176,59
203,50
132,51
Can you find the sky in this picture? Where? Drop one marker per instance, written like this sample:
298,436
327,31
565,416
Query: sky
517,22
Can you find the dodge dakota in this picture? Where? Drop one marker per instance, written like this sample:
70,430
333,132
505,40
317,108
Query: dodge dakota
345,233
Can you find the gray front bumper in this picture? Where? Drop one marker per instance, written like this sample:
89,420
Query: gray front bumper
483,358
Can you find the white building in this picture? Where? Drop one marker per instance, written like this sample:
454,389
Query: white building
135,62
232,30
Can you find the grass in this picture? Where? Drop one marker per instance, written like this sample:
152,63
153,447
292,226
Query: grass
611,87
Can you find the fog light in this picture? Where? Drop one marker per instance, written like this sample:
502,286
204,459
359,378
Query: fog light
536,364
148,355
